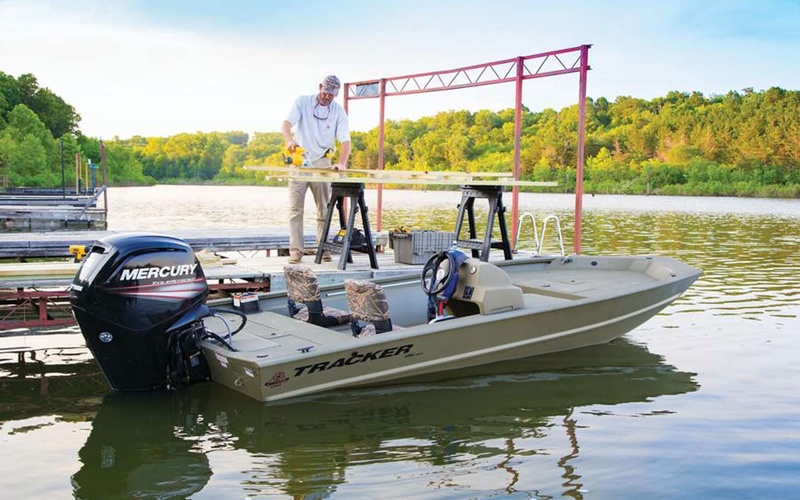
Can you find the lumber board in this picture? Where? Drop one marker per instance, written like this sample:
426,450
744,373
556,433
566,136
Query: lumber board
48,269
415,174
63,268
62,273
356,176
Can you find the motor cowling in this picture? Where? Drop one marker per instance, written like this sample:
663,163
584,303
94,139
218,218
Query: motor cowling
130,297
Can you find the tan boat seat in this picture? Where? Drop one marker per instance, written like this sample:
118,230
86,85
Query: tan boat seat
305,301
369,309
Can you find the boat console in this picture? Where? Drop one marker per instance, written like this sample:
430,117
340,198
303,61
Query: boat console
483,288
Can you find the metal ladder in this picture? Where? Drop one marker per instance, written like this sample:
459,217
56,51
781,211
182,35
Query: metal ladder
536,238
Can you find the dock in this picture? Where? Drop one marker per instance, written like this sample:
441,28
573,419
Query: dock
41,301
51,217
37,299
36,294
28,209
56,243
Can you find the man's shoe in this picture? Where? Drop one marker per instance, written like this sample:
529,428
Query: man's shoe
326,257
295,258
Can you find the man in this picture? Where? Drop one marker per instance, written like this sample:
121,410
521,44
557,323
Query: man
318,123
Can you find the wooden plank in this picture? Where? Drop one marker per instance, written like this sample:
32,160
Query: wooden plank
47,270
57,274
439,182
352,176
43,269
392,174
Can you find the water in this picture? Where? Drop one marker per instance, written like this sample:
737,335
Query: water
700,402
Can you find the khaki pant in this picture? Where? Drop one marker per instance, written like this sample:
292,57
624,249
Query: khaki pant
297,198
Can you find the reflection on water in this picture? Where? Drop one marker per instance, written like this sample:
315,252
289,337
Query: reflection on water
714,414
311,447
135,451
43,386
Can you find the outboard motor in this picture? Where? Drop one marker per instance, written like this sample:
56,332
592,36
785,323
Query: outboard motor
139,300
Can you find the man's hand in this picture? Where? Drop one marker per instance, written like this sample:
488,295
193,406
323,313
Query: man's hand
286,131
338,166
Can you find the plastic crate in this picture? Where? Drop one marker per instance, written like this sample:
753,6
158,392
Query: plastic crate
416,247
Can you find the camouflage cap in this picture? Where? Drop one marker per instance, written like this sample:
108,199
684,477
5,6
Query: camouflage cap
330,85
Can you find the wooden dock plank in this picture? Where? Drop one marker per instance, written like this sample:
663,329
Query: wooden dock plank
57,243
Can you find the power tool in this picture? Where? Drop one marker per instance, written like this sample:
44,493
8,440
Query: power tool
296,157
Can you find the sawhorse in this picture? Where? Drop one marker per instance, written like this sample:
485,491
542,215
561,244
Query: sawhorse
481,248
355,192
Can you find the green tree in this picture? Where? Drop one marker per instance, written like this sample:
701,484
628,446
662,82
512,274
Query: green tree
28,150
22,121
58,117
26,162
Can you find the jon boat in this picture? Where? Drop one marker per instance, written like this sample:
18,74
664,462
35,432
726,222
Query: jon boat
140,302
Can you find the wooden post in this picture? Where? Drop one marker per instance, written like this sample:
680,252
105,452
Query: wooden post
77,173
105,178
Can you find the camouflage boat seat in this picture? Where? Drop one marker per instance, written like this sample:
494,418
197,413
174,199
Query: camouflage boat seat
305,301
369,309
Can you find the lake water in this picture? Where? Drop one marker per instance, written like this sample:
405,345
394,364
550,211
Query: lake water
703,401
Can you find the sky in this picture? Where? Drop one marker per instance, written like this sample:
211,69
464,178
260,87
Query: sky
161,67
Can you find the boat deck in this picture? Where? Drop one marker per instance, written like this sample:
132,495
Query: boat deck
272,333
575,285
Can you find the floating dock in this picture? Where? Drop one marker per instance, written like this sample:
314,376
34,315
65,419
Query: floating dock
57,243
18,217
28,209
36,295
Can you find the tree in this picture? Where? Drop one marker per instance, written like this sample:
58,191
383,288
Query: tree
122,165
26,162
59,117
29,150
22,121
9,94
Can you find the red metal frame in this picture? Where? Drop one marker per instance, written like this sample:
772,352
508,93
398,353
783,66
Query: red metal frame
508,70
36,307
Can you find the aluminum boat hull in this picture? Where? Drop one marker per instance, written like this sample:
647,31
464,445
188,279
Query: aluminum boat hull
565,304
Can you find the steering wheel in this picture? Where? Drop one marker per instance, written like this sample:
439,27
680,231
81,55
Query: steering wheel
437,273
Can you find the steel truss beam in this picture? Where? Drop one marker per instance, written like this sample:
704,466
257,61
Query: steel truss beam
533,66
